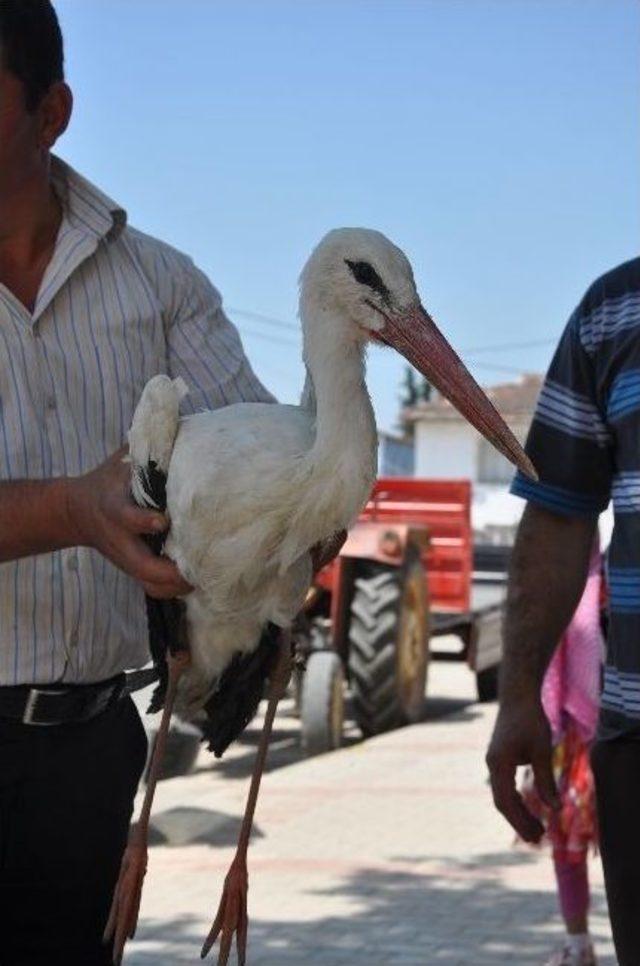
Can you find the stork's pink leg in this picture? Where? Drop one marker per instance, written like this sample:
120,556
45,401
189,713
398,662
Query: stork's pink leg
231,917
123,916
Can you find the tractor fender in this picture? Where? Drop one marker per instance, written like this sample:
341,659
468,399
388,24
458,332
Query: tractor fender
385,543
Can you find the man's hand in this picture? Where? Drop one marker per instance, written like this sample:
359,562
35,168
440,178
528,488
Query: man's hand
102,515
546,578
521,737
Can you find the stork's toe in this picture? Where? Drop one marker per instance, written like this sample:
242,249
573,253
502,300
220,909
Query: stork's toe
231,918
123,916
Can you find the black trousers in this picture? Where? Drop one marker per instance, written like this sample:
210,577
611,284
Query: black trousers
66,797
616,767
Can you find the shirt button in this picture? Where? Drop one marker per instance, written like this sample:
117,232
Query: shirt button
72,562
51,403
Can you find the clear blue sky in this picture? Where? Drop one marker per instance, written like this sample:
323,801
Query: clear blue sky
496,141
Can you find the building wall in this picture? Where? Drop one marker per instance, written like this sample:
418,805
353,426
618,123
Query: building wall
451,449
492,466
446,449
455,449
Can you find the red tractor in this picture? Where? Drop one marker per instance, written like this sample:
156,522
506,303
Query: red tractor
403,577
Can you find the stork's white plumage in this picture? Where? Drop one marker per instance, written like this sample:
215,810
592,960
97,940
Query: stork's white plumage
252,488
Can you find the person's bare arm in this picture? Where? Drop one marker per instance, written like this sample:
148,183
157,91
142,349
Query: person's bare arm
547,576
94,510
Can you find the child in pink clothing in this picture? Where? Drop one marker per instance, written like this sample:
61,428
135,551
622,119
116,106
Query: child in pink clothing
570,697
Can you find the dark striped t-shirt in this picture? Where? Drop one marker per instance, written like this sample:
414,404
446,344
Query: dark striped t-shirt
585,443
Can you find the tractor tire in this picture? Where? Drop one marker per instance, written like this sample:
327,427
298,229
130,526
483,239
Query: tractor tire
316,637
487,684
389,645
322,704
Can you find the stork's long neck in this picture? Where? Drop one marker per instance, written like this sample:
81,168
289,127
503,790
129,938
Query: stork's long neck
345,423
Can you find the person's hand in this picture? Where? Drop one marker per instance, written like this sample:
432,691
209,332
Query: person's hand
521,737
102,515
325,551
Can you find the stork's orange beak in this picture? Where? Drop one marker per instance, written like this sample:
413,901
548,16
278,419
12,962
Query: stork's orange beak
417,337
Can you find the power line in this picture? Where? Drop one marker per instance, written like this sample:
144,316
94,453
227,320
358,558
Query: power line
472,350
268,320
251,333
267,337
498,368
503,346
265,319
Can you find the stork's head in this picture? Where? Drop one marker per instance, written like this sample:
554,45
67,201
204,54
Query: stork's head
358,279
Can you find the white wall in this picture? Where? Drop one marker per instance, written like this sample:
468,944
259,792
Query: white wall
446,449
452,449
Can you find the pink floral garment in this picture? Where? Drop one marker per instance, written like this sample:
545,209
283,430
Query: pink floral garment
570,694
572,683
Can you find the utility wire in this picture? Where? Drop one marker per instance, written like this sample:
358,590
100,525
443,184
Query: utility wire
250,333
472,350
503,346
266,319
266,337
498,368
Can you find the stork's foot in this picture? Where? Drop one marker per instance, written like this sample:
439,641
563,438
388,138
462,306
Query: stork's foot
232,915
123,917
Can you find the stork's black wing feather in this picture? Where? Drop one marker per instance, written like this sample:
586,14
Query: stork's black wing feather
242,684
166,618
167,630
241,687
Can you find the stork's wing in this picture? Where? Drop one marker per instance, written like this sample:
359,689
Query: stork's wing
231,468
165,618
242,685
226,475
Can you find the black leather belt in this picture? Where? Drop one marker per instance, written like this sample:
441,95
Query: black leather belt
54,704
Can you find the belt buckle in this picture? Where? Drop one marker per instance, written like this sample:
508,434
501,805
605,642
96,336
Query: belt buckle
28,714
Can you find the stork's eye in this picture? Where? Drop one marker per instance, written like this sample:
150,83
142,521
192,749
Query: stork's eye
366,274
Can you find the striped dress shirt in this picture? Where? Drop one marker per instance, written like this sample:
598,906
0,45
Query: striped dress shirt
115,307
585,444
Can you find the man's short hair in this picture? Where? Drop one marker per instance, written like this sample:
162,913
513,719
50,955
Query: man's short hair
31,46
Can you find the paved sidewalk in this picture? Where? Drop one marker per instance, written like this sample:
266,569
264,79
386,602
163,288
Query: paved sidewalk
386,852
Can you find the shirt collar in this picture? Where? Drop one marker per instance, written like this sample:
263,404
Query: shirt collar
85,206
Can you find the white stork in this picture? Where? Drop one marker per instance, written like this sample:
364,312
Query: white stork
252,487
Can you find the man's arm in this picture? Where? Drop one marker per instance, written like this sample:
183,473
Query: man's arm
94,510
203,346
547,576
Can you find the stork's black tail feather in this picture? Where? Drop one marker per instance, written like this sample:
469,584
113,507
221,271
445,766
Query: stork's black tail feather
235,701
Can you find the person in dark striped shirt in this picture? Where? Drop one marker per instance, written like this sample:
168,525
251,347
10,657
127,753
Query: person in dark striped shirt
585,444
90,309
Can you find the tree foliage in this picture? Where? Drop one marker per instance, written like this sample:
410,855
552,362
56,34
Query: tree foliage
414,389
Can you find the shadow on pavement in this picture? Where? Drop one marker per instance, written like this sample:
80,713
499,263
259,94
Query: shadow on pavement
457,709
521,855
286,749
184,825
391,917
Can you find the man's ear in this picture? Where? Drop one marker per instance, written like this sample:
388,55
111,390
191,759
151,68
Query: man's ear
54,113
